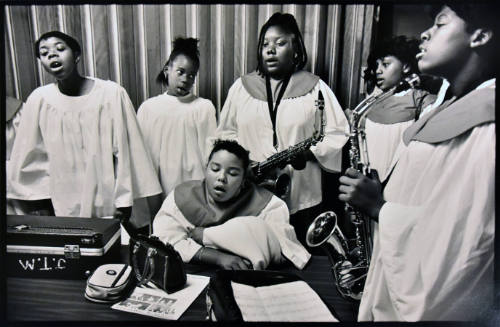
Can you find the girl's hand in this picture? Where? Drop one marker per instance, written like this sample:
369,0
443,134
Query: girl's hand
197,234
299,161
123,213
233,262
362,192
38,207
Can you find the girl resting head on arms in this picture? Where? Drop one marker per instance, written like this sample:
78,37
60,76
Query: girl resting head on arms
227,221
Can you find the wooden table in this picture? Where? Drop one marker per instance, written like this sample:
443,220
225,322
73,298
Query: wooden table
62,300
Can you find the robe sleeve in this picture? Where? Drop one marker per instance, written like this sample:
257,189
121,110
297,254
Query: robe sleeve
28,169
275,219
144,118
135,175
437,257
170,226
328,152
206,128
11,130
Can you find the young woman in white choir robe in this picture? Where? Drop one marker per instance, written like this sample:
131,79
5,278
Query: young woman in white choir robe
78,148
176,124
273,108
433,252
389,63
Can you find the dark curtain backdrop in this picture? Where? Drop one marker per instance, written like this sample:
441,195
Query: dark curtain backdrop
130,43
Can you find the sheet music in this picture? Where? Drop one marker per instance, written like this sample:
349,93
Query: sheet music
294,301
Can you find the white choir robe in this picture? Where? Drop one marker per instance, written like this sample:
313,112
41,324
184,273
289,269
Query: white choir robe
247,120
175,130
85,153
433,246
386,123
15,111
13,120
383,141
170,225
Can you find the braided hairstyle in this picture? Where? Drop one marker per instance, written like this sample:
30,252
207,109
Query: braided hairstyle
288,23
185,46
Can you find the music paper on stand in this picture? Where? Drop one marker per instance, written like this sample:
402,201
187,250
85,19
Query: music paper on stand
294,301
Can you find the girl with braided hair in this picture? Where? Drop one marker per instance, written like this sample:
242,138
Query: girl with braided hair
176,124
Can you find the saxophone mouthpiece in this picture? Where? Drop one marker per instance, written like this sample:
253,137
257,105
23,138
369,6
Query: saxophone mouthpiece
320,96
428,83
411,81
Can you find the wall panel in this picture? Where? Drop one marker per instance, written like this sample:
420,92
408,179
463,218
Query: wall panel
252,36
354,52
130,43
228,45
99,33
27,77
206,64
154,42
11,82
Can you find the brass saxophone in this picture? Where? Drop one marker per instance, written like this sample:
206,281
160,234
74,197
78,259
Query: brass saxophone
265,171
350,259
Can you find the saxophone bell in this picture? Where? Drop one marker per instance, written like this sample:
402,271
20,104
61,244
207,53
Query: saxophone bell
280,185
325,233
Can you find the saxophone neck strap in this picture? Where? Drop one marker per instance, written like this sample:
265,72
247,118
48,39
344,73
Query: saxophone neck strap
273,107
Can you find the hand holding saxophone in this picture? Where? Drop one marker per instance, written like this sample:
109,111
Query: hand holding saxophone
299,160
362,192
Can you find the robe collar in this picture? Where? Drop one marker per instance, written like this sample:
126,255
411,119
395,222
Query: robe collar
300,84
184,99
191,199
13,105
455,117
399,108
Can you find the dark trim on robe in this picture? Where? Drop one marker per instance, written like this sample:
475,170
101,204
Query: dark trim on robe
190,198
301,83
398,109
451,120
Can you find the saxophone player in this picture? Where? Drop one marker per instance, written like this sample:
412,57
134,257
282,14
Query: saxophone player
273,108
389,63
433,244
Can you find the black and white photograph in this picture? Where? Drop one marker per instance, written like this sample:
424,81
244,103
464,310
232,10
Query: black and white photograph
348,146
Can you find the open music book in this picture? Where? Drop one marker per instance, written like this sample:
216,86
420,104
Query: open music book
293,301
